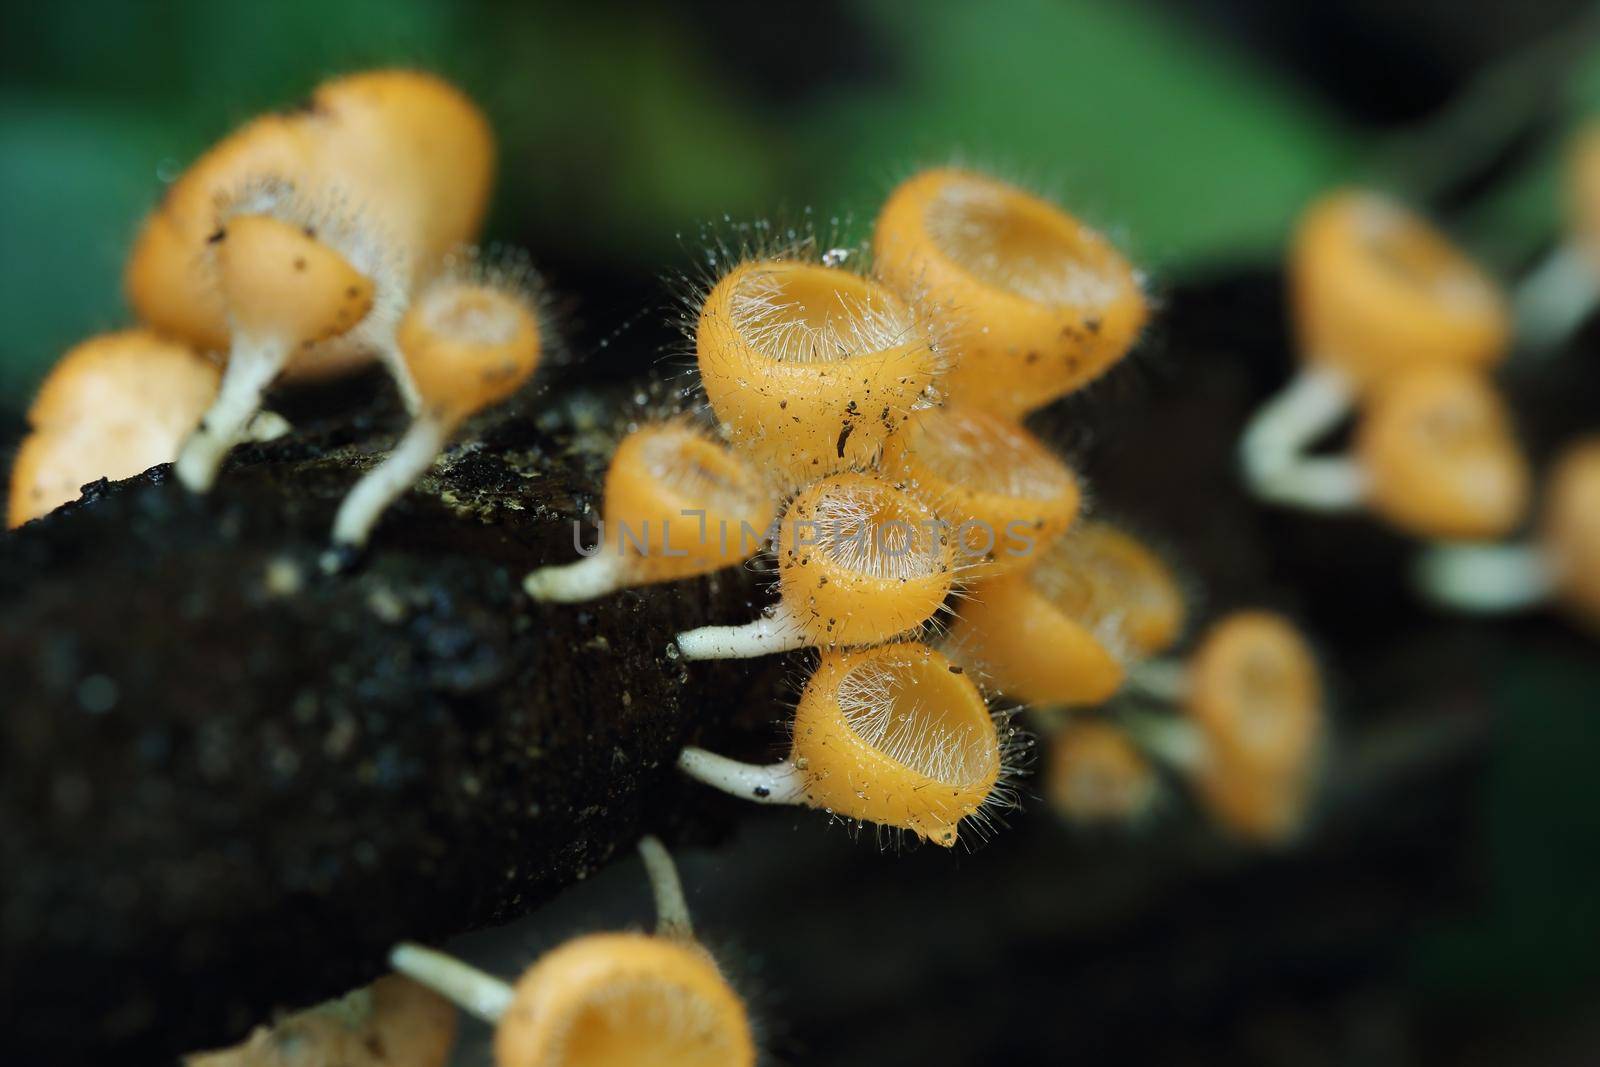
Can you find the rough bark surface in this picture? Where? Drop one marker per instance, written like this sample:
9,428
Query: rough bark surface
229,782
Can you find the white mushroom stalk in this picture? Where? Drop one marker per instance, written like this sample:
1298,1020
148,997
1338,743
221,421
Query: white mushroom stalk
1272,451
1486,579
302,277
773,783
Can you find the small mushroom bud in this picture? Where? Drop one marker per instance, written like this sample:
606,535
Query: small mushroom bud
859,561
677,505
895,735
300,277
112,407
1377,292
809,368
467,343
607,999
1032,303
1004,491
395,1022
1096,775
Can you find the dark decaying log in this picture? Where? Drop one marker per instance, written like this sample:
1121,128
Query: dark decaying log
230,782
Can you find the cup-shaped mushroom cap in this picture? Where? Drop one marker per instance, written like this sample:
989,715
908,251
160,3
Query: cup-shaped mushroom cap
1255,690
896,735
809,368
280,283
1441,458
1571,526
1101,573
609,1000
393,1023
420,153
165,276
468,345
1032,303
112,407
1004,492
1034,648
1255,693
861,561
683,504
1095,774
1377,290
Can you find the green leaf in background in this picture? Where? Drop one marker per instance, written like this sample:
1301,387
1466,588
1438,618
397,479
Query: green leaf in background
1187,149
1535,938
622,130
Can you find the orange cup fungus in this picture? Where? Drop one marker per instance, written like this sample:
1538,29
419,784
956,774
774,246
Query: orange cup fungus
1060,633
296,274
677,505
112,407
468,341
809,368
1107,573
1378,290
606,999
1005,493
1032,303
408,150
895,735
859,561
1440,458
1255,694
1096,774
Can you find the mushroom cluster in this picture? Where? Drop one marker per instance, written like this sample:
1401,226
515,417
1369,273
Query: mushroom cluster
303,245
1396,324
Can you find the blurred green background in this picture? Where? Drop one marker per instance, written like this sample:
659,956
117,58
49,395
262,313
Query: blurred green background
1191,132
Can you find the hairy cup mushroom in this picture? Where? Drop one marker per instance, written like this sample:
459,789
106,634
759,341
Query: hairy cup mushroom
677,504
895,735
606,999
809,368
469,340
1007,494
1032,303
299,273
859,561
